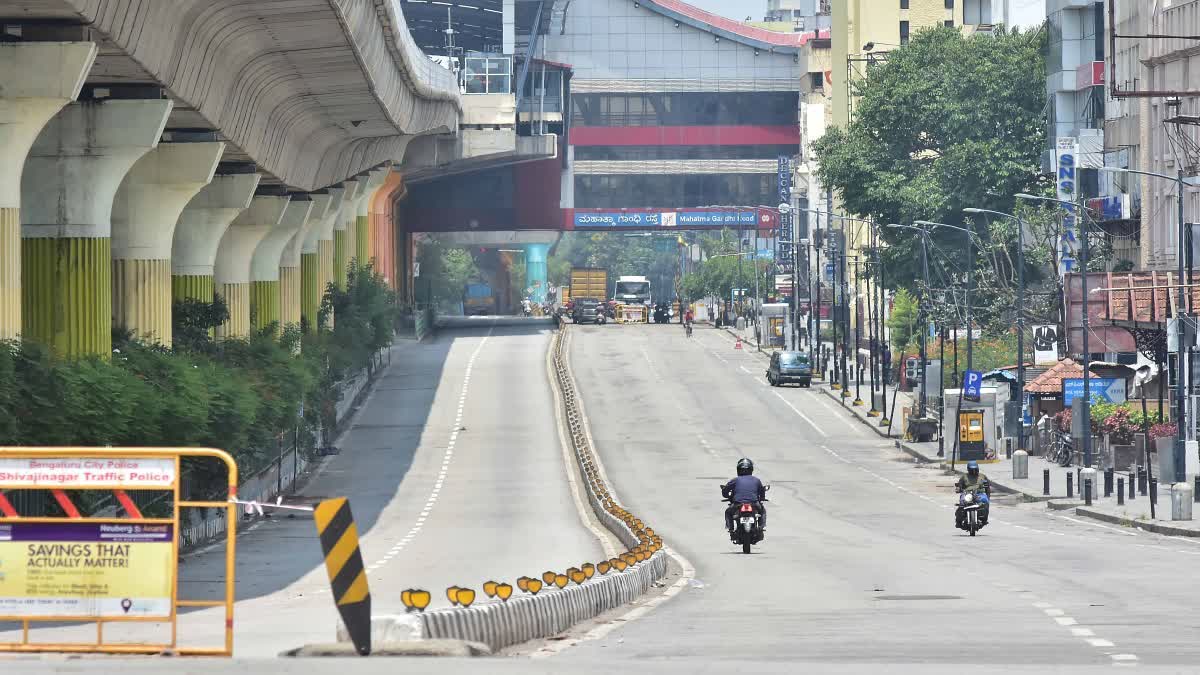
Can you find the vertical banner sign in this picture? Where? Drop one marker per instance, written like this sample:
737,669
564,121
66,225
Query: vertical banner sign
1066,151
783,238
1045,345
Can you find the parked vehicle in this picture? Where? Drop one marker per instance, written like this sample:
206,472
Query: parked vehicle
789,367
588,282
633,291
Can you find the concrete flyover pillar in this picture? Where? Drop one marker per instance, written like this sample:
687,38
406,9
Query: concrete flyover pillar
364,242
316,258
266,300
343,229
71,176
36,80
198,233
383,228
290,273
231,273
535,270
144,215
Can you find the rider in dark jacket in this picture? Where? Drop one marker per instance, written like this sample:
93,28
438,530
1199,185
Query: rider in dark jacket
975,482
745,489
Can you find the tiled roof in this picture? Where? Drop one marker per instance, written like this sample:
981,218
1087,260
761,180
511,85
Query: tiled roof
1050,382
735,29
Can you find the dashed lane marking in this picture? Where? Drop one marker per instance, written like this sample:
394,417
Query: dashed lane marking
447,455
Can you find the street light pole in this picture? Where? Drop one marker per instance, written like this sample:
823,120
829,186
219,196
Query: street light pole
1020,314
922,313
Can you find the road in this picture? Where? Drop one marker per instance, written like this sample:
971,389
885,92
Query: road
861,567
455,475
861,562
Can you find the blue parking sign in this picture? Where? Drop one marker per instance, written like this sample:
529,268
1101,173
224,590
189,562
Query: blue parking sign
972,385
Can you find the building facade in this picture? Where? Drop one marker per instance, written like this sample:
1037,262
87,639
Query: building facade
673,107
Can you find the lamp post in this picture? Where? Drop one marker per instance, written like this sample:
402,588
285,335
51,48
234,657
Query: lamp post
1020,312
1085,320
970,281
921,312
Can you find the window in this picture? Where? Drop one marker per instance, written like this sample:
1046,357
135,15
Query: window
816,81
904,32
949,4
645,153
685,109
903,4
977,12
674,191
949,23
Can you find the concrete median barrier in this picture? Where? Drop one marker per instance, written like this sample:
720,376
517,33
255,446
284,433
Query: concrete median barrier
499,624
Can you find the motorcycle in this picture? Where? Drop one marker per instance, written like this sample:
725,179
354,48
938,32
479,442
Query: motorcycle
971,503
747,524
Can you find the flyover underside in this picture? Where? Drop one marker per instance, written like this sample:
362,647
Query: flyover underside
312,92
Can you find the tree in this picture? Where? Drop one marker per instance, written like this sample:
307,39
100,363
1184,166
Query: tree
903,321
947,122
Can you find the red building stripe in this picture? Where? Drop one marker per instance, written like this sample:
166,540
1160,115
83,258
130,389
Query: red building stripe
65,502
706,135
128,505
6,507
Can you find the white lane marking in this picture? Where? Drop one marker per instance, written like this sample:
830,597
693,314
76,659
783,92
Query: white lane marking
802,415
1082,632
1053,612
446,455
1119,530
746,370
1065,621
1124,657
840,414
1099,642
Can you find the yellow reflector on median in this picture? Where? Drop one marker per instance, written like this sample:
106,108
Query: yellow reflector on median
548,577
533,586
589,570
421,599
522,584
504,591
489,588
465,597
603,567
452,595
578,577
561,580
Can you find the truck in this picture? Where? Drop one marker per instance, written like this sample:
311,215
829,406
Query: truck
589,282
632,291
478,299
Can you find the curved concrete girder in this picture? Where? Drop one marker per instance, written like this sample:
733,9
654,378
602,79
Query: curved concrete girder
36,80
232,269
316,258
145,211
383,230
71,177
250,69
322,229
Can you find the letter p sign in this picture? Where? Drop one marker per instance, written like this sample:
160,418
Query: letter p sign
972,385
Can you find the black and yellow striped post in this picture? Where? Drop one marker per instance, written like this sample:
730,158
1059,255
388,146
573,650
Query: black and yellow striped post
347,576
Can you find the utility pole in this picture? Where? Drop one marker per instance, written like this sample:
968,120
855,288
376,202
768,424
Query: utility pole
1087,352
845,251
922,319
1182,366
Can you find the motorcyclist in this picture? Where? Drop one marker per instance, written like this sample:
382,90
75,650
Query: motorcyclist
973,481
745,489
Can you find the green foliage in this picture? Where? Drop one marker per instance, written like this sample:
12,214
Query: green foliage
656,258
903,321
237,395
946,123
990,353
193,322
448,269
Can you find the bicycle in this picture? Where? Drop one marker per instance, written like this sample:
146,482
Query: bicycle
1063,451
687,329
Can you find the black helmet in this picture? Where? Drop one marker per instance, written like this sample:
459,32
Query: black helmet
972,468
745,467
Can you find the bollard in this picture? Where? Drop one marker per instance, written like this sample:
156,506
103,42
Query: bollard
1020,464
1070,485
1087,491
1132,487
1108,482
1046,482
1141,477
1153,490
1181,501
1196,490
1120,491
1087,484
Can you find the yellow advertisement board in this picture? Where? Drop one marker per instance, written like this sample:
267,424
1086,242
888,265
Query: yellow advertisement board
86,569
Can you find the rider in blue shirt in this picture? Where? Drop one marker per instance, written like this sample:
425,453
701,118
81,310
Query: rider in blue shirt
745,489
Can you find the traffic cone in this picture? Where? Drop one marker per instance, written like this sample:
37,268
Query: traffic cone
738,344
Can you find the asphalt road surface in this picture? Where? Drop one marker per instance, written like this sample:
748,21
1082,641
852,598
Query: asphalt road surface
861,562
455,475
861,569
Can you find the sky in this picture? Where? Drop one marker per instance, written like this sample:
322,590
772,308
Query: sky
734,9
